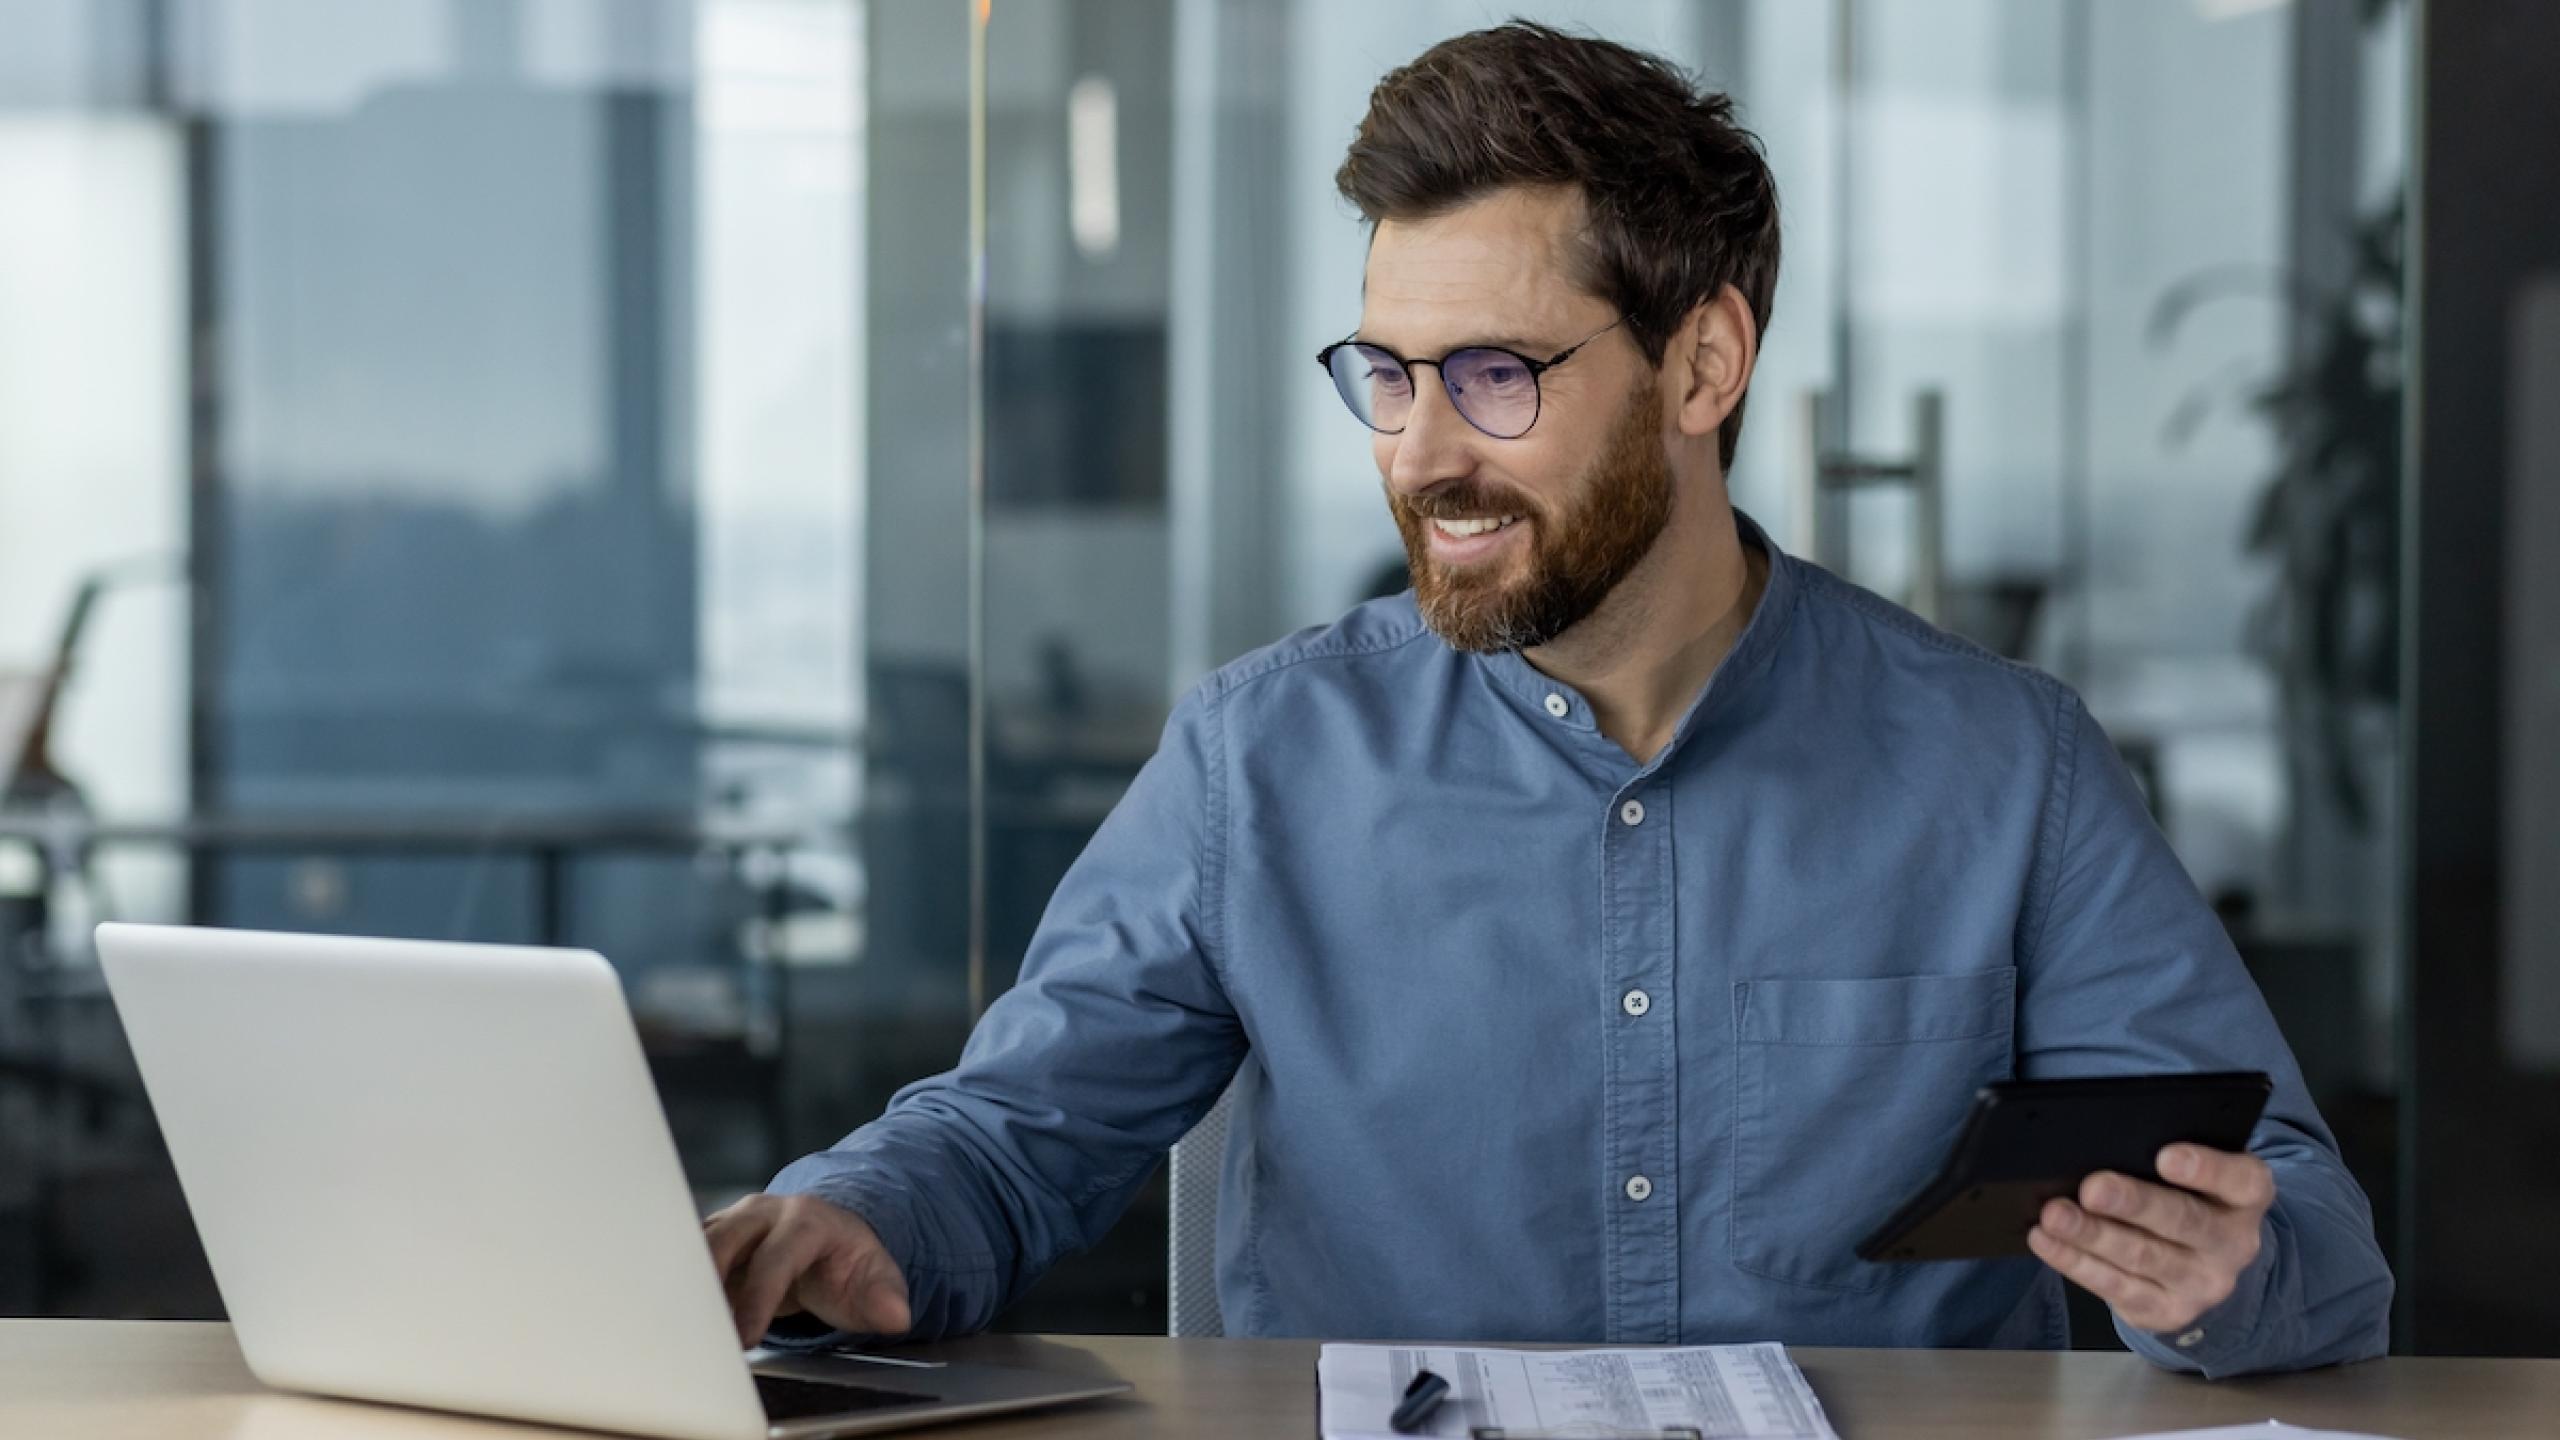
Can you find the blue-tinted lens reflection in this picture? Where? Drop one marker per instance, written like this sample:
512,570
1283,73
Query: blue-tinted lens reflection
1495,389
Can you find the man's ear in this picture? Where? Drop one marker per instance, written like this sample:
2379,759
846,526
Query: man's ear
1714,350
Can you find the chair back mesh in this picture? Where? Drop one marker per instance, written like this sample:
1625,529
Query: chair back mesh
1193,1261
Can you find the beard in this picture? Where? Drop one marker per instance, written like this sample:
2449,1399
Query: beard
1575,559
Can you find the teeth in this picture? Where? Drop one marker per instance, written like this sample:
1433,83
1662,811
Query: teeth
1460,529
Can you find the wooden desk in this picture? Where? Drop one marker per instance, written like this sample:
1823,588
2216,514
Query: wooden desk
106,1380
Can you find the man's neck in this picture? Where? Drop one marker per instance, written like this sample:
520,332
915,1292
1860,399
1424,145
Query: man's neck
1642,657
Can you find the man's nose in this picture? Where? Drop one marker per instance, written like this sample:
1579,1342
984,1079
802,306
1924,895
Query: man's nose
1437,443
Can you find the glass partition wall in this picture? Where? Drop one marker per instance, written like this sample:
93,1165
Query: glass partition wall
739,483
440,503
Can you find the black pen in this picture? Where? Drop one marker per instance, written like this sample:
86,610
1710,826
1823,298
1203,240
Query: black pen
1421,1398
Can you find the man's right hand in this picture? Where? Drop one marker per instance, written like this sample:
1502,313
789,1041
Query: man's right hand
788,1254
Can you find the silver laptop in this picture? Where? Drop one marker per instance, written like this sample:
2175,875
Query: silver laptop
438,1175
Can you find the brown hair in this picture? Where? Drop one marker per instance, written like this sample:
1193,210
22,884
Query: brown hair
1681,203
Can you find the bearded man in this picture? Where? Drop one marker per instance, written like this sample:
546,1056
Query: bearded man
1602,936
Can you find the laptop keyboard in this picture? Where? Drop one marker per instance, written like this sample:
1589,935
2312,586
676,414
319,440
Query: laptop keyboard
786,1399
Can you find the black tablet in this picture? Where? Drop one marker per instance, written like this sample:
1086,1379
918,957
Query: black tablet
2028,1141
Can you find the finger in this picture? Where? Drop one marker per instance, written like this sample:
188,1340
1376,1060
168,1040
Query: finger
875,1291
885,1310
736,1231
2142,1303
2140,1253
769,1277
2240,1181
2165,1211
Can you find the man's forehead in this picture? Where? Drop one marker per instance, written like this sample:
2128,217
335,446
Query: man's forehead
1499,267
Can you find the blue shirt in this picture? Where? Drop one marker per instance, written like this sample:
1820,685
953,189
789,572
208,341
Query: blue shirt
1531,1041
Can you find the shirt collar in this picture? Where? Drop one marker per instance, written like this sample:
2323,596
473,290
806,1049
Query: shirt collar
1542,694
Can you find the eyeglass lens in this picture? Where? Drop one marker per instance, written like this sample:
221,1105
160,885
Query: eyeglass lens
1495,390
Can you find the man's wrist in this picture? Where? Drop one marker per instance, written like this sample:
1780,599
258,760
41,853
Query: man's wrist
2225,1339
876,1202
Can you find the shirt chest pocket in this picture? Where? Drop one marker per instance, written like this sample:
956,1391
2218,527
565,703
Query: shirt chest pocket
1847,1094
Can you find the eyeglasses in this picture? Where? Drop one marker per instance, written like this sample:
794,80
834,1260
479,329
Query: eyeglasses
1495,389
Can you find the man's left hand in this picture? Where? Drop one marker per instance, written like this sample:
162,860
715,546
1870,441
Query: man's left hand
2161,1255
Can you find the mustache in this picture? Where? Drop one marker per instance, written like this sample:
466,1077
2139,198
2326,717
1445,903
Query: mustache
1464,501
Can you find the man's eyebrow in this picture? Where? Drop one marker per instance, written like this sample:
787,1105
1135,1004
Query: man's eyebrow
1496,342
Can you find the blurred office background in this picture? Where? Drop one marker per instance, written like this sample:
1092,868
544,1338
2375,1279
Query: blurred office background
738,484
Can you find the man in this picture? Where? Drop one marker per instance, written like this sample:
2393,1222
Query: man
1604,936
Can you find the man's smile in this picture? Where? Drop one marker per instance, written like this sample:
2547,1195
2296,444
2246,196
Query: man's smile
1466,542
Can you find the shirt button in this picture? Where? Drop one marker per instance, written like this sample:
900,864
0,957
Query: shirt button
1632,812
1637,1002
1556,705
2191,1339
1639,1189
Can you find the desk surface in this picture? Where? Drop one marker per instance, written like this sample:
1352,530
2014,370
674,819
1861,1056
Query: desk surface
107,1380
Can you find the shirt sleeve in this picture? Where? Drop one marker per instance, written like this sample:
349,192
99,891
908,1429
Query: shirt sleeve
1118,1037
2127,970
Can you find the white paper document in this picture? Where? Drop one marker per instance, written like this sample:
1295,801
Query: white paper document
1751,1392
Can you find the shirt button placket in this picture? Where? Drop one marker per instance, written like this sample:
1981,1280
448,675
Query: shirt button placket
1643,1106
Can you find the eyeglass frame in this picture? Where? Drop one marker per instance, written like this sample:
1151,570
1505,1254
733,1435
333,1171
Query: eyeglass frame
1537,376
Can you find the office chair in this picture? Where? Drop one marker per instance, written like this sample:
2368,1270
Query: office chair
1192,1248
